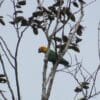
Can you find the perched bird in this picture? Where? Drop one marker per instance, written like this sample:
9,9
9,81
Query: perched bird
52,56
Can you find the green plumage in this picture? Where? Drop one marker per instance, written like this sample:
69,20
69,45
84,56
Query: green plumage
52,57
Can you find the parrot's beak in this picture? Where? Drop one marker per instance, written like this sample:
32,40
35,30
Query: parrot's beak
39,50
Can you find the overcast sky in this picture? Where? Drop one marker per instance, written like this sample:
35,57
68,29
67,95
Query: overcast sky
31,63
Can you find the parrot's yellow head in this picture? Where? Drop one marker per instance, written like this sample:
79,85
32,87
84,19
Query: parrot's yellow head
43,49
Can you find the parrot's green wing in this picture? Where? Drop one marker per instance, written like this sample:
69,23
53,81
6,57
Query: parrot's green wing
52,57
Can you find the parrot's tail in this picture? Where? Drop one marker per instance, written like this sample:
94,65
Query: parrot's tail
65,63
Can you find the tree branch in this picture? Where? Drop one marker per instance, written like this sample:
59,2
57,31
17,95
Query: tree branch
8,82
7,56
6,47
2,94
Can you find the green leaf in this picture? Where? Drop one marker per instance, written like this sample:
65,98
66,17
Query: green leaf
86,87
2,80
82,1
24,22
22,2
51,17
12,22
35,29
72,17
75,4
75,48
53,9
65,38
37,13
78,40
78,89
85,83
1,16
2,75
57,39
18,6
2,22
18,19
19,11
79,30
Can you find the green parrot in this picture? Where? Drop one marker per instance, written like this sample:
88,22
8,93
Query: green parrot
52,56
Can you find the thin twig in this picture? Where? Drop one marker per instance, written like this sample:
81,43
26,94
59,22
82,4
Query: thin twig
94,81
99,40
14,16
85,6
95,94
6,56
5,44
1,3
44,96
2,94
8,82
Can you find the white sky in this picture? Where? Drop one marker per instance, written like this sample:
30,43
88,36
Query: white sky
31,63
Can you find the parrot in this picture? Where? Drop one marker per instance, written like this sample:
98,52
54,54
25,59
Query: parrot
52,56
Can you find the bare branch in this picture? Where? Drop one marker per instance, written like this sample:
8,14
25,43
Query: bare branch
44,96
99,40
53,71
40,2
1,3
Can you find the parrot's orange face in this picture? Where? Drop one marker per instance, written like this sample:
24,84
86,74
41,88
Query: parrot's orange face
43,49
